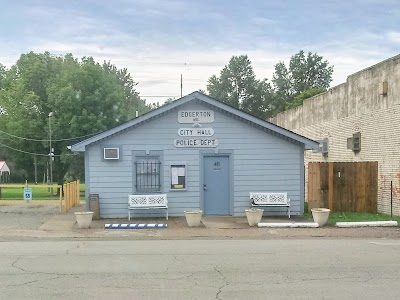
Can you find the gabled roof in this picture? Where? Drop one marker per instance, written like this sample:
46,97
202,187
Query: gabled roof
308,143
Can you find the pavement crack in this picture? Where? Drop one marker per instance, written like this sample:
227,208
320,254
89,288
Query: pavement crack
173,263
33,281
14,265
75,247
226,283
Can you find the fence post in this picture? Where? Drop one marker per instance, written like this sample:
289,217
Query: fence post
78,192
330,186
69,196
61,194
72,196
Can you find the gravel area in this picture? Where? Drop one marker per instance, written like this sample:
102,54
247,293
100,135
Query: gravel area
25,221
25,217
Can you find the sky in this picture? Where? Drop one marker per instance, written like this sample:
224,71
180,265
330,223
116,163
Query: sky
158,40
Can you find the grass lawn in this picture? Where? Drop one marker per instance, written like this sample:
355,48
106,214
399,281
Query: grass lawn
38,193
356,217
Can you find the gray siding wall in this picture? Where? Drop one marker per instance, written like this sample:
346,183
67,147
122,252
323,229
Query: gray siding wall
261,162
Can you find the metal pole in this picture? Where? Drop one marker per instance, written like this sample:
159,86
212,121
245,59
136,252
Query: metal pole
391,200
181,85
50,155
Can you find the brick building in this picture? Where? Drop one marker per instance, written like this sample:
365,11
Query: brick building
367,105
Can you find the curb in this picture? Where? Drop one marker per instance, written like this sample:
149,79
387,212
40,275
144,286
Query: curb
367,224
289,225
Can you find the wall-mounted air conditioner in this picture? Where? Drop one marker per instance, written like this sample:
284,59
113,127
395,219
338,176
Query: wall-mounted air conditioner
111,153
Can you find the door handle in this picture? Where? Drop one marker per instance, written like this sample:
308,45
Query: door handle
205,187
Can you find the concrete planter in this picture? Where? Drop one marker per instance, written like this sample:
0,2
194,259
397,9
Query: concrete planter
254,215
193,217
84,219
320,215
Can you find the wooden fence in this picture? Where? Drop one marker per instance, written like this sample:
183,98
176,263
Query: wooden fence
71,195
343,186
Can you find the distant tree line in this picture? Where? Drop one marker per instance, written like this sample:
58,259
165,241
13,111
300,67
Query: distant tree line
77,98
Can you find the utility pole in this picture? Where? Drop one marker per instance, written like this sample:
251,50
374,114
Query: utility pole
50,155
35,163
181,85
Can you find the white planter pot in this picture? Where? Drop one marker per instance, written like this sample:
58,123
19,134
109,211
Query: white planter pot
320,215
254,215
193,217
84,218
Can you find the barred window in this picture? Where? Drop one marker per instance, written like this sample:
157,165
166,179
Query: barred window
148,174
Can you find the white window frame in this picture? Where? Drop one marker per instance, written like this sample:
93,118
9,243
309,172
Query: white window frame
110,148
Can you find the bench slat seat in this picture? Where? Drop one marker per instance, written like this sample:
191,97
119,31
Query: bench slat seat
156,201
261,199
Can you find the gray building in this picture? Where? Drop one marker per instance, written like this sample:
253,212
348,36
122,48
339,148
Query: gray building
202,153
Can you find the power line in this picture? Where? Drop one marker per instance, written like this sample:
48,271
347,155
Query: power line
153,96
39,154
56,140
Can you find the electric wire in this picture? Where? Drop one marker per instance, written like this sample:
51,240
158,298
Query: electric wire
38,154
53,140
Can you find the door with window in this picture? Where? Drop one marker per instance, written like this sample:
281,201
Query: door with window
216,185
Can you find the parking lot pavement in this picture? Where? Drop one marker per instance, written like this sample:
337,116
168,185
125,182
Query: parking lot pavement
45,222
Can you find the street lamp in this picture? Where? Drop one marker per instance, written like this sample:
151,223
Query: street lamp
50,154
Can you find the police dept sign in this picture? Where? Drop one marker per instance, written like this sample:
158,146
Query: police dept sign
195,143
195,116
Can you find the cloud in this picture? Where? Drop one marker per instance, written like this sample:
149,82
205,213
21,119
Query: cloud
160,40
393,36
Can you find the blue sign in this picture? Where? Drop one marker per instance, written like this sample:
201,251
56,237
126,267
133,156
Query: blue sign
27,194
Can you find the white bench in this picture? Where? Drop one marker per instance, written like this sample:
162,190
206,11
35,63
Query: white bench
157,201
270,200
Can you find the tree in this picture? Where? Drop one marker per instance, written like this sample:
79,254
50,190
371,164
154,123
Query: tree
85,97
309,72
299,99
2,75
237,86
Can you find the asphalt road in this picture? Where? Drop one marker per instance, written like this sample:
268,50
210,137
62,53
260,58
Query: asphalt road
194,269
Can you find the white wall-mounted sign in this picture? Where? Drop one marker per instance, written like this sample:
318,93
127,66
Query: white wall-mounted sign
195,116
195,132
195,143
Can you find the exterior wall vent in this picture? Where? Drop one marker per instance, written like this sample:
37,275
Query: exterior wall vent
383,88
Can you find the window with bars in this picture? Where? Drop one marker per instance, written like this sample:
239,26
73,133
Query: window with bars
148,174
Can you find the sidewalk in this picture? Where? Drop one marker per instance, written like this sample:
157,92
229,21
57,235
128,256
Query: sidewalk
63,226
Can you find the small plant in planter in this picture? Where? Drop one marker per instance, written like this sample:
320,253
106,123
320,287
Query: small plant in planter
254,215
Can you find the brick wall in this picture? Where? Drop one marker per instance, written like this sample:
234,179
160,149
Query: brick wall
357,106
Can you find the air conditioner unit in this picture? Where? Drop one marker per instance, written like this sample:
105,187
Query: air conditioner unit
323,146
111,153
357,141
354,143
